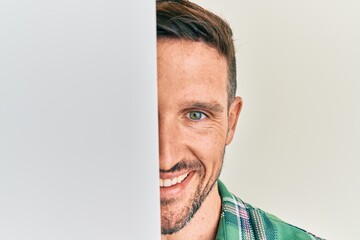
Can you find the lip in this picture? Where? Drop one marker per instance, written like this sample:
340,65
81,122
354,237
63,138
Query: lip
173,174
177,189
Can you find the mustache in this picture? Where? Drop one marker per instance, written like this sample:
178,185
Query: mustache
183,165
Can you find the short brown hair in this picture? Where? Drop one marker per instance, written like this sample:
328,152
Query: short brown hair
181,19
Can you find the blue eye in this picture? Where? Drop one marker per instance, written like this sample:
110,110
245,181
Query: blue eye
196,115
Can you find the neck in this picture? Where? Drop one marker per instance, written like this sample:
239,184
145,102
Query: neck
204,224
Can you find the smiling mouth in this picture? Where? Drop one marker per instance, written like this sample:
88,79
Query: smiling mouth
171,182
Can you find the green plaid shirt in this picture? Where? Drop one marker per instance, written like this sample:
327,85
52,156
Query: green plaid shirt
241,221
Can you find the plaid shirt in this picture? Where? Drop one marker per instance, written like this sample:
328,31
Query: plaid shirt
241,221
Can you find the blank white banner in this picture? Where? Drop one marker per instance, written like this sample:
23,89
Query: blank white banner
78,120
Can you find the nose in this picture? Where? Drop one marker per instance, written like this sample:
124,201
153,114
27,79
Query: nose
169,143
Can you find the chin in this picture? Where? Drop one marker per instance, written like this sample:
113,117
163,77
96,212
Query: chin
177,213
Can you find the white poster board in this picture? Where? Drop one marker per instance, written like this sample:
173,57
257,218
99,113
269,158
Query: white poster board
78,120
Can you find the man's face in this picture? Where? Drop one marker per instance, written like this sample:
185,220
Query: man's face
195,125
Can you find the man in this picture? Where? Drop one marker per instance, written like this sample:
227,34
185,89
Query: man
198,112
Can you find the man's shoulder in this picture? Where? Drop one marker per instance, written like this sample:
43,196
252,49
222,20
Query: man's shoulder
283,230
240,220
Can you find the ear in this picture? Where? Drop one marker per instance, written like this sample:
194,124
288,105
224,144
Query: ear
234,113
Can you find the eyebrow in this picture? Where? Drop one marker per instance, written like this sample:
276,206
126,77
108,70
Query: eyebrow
209,106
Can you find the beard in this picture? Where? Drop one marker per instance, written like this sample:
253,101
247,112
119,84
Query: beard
174,219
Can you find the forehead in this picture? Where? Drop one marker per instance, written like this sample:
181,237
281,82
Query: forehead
193,66
189,52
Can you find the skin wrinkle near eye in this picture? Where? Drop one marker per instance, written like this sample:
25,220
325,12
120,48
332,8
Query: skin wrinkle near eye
204,126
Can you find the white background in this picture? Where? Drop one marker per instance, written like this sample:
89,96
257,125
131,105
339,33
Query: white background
78,120
297,149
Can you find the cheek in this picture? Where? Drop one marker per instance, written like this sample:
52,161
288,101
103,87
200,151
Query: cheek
210,153
208,144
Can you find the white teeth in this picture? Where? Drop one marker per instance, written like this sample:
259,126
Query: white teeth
181,178
172,182
167,182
